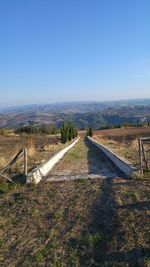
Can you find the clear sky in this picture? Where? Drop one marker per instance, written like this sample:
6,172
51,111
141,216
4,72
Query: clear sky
64,50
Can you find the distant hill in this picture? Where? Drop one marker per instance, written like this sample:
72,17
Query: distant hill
82,114
77,106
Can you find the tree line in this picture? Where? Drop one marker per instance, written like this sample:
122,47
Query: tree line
45,129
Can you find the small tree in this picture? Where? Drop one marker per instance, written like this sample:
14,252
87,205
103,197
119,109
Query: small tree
64,133
68,132
90,132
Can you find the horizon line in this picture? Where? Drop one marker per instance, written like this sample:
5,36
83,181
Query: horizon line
75,101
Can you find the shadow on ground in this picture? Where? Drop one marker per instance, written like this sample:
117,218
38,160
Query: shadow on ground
103,242
97,161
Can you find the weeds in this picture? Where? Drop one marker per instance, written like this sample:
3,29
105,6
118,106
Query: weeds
1,242
78,216
19,197
4,187
134,195
83,181
91,240
33,211
40,255
146,173
59,263
58,215
135,177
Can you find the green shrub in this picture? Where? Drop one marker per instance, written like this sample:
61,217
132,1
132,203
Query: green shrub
39,256
4,187
91,240
58,214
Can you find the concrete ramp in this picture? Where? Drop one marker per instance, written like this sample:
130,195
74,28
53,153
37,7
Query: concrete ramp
42,171
122,164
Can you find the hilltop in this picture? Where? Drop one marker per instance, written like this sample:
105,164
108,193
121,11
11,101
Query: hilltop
100,219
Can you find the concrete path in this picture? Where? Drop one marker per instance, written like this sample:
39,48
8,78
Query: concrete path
83,161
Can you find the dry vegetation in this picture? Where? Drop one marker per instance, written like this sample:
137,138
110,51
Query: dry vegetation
40,148
124,142
101,222
123,134
127,150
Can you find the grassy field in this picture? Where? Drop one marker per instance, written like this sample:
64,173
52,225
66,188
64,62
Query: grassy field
100,222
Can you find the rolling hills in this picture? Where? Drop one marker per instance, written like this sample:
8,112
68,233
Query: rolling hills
82,114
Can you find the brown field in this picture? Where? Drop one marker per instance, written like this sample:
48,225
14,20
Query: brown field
124,142
124,134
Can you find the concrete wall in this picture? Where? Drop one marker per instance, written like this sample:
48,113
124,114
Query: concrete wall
121,163
38,173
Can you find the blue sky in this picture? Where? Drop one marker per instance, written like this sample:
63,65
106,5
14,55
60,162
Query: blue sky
64,50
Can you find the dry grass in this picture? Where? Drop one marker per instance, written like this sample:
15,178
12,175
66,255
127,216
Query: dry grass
125,134
124,141
95,223
3,162
40,148
102,222
127,150
31,149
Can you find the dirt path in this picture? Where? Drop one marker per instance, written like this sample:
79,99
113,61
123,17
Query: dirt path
83,161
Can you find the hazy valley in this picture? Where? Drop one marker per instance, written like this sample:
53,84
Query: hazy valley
82,114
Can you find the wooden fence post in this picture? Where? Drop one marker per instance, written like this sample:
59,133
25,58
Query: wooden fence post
25,161
140,157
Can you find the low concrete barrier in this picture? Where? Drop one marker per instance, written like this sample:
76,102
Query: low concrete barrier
122,164
38,173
